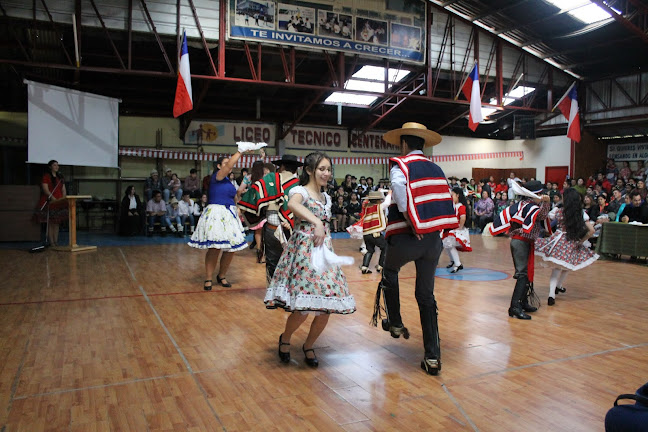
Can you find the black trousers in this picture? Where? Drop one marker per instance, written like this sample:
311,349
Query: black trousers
272,250
372,243
520,252
402,249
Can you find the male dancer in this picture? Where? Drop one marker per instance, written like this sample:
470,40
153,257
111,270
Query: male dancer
421,207
522,221
270,194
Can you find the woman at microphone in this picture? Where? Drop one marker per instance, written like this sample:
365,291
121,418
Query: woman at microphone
52,202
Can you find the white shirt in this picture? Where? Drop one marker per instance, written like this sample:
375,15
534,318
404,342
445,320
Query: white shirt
133,203
398,182
185,209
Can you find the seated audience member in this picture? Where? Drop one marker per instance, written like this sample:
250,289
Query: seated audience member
500,201
556,201
553,191
603,181
192,184
201,205
339,214
363,185
156,212
629,187
624,173
130,213
620,184
187,210
492,184
348,184
485,187
173,217
483,211
354,209
452,182
340,193
641,189
580,185
239,179
370,185
640,172
171,185
627,201
615,203
232,179
590,207
611,171
152,183
637,211
502,187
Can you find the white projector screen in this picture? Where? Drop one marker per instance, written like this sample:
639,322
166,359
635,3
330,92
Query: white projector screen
72,127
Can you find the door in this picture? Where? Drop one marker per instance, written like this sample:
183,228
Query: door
556,174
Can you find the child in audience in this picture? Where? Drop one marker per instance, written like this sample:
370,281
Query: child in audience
187,210
173,216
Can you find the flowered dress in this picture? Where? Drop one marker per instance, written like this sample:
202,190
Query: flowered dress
562,252
457,238
296,286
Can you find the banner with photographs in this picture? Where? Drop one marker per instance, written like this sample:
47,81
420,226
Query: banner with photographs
393,29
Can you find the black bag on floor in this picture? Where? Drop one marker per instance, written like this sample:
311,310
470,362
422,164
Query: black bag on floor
629,417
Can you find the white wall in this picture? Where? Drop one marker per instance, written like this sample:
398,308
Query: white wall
538,154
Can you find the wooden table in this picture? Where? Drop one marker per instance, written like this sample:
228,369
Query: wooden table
623,239
73,246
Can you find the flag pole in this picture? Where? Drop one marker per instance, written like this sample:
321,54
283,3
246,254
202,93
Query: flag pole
563,97
464,81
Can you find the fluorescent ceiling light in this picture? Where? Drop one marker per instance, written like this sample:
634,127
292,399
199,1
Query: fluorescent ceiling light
370,79
350,99
583,10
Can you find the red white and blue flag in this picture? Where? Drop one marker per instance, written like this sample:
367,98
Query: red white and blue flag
471,90
183,98
568,105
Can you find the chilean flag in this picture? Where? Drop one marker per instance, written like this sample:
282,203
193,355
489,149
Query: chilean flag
183,99
471,90
568,105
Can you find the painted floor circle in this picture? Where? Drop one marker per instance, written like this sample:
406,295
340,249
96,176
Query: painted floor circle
473,274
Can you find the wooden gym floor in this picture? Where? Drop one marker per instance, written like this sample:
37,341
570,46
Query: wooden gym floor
125,339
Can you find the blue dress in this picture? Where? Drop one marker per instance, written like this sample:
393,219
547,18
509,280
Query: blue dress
219,225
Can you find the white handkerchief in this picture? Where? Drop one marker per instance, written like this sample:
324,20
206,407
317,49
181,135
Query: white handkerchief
519,190
323,259
244,146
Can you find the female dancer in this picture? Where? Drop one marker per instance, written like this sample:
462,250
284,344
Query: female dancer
296,286
219,227
458,238
564,250
53,193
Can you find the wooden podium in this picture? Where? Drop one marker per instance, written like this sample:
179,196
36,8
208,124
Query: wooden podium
73,246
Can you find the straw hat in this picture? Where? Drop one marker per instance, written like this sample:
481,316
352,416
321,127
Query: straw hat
173,201
374,195
416,129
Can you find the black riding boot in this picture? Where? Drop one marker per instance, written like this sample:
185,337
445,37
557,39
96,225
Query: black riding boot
530,299
430,326
366,261
519,292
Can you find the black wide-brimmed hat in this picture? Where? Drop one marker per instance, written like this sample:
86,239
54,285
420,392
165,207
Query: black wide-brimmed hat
534,186
288,159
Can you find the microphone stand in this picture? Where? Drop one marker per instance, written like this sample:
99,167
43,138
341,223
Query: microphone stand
46,244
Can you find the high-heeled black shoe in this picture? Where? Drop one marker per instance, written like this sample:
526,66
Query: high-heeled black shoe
208,287
551,301
283,356
450,265
456,269
560,290
312,362
220,281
